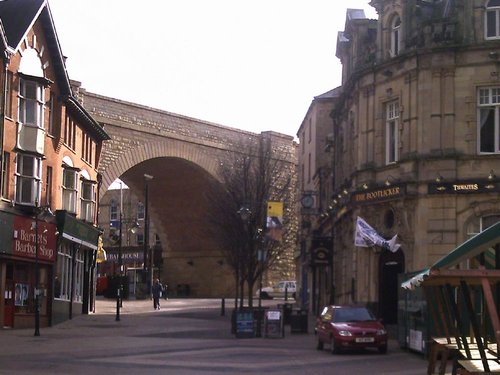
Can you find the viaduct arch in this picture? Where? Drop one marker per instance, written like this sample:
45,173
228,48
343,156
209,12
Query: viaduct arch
182,154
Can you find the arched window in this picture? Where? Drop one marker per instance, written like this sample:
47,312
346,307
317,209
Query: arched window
395,36
492,19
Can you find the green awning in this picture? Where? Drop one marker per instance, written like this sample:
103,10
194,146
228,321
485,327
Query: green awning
76,230
471,248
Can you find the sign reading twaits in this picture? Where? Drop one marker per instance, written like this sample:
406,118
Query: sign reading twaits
25,239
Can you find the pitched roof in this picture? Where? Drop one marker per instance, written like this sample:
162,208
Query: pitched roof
17,23
333,93
18,17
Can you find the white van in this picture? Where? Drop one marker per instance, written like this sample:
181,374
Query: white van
278,290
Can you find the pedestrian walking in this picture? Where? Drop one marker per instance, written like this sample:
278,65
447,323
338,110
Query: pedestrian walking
165,290
156,290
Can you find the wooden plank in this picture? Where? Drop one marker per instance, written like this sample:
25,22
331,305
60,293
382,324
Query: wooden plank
472,319
490,304
475,366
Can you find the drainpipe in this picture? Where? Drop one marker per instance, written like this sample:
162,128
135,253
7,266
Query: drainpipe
6,61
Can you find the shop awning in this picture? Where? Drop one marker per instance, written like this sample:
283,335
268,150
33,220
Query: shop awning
76,230
469,249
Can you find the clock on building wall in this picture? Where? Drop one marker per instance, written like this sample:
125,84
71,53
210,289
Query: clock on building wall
307,201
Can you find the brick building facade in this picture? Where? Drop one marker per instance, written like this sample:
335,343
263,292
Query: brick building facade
50,152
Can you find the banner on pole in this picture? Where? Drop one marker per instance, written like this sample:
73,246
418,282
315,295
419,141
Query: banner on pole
366,236
274,220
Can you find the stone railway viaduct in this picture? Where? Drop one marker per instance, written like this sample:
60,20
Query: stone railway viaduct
182,154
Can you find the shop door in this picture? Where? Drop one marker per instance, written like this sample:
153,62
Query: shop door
132,282
8,317
391,265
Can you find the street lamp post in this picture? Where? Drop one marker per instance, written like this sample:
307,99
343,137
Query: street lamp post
120,266
37,272
245,214
40,213
148,272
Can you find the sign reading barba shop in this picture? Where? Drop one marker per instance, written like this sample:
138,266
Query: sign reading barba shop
25,239
378,195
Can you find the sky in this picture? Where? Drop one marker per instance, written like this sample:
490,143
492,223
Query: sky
251,65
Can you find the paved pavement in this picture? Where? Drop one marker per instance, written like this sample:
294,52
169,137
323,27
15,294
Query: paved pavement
186,337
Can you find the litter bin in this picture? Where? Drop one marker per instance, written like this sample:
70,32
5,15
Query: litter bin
287,312
298,321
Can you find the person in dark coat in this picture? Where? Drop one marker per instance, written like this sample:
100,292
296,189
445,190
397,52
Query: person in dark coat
156,290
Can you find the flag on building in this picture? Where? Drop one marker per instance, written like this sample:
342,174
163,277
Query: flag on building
274,220
366,236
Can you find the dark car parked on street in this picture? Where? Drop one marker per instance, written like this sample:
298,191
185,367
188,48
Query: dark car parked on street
350,327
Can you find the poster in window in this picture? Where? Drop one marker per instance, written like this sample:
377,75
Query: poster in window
21,294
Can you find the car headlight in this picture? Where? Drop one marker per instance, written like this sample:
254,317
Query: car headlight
345,333
381,332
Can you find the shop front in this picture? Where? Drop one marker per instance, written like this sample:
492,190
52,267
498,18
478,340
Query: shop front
132,259
74,273
28,250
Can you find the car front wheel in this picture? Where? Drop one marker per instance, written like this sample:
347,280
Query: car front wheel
264,295
382,349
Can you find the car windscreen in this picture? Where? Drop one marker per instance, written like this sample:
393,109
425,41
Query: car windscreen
352,314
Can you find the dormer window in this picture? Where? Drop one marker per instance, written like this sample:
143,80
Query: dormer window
492,20
395,36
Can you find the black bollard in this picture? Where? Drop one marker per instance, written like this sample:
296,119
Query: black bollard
118,305
223,307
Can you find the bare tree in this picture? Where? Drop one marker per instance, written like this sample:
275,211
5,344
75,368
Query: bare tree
251,178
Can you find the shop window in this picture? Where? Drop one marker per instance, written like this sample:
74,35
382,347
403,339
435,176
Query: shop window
64,274
28,169
488,131
392,138
22,289
492,20
78,277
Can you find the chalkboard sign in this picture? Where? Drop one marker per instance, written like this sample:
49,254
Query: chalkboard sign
245,324
273,323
